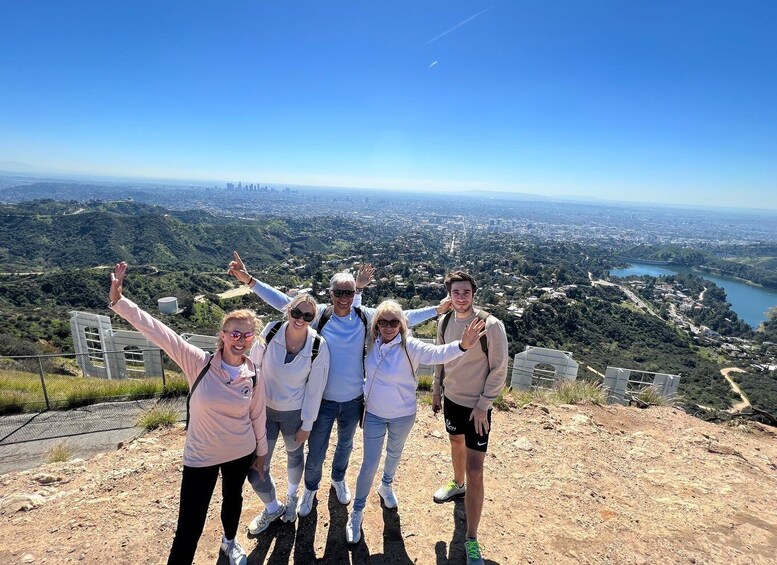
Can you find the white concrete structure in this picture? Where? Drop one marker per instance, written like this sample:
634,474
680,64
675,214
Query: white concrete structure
543,368
104,352
168,305
620,384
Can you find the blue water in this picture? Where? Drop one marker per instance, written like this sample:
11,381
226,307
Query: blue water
749,302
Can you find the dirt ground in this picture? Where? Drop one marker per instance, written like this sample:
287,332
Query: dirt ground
565,484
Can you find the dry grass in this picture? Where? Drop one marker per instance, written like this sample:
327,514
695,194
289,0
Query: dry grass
59,452
160,416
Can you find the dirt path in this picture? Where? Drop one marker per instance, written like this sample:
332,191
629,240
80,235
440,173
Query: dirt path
739,406
564,485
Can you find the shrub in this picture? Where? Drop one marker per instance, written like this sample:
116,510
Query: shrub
59,452
649,396
160,416
580,392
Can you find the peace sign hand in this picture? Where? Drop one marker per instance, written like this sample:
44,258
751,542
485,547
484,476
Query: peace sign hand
473,333
117,282
238,269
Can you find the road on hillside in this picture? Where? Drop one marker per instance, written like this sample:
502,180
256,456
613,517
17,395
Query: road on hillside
739,406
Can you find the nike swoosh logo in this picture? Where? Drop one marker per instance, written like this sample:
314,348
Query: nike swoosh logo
482,444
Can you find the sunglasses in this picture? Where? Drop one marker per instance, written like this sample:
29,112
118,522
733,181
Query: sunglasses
296,313
386,323
236,335
338,293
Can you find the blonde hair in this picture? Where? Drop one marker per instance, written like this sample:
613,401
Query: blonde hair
299,299
392,307
242,315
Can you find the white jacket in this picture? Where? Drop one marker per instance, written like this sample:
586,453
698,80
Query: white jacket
389,390
296,385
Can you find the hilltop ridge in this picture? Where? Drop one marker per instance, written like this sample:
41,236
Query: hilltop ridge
564,484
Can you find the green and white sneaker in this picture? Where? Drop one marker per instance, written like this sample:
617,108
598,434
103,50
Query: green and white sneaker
474,557
449,492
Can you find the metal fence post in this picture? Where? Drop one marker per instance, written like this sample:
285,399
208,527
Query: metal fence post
162,366
43,383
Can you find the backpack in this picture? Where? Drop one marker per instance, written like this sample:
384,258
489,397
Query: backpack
482,315
274,330
197,382
329,310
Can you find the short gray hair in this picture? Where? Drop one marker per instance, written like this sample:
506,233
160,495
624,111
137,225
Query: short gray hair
342,277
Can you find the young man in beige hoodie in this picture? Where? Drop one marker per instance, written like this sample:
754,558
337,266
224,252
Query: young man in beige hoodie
470,385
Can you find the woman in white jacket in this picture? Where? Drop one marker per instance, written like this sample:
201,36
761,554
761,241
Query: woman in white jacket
390,398
295,369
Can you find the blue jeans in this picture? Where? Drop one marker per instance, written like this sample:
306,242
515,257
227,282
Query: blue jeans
375,429
286,423
347,415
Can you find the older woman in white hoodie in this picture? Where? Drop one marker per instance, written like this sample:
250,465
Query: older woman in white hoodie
390,399
295,369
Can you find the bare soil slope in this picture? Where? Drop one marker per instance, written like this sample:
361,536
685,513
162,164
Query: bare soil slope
566,484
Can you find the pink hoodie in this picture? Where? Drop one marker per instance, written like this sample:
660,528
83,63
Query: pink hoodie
227,419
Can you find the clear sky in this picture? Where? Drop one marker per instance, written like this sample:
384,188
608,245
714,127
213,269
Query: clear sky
660,101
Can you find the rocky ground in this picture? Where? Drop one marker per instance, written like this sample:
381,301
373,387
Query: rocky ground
564,484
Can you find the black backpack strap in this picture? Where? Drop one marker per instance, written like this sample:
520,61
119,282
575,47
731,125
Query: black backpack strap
194,387
325,315
362,317
273,330
483,315
316,346
444,325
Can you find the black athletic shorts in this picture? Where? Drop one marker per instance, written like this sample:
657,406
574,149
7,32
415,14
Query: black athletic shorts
457,422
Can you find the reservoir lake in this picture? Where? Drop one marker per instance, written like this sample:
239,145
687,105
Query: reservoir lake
748,301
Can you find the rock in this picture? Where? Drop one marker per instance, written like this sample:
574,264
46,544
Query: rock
523,443
20,502
28,558
436,434
46,479
581,419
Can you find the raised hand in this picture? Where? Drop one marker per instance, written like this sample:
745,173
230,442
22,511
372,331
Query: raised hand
473,333
117,282
444,305
238,269
365,275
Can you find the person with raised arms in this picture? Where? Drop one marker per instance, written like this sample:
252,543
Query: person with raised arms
226,431
345,327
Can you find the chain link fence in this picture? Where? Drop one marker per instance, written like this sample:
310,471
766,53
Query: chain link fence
31,388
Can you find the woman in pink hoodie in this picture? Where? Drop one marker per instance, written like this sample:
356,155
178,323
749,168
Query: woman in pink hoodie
226,431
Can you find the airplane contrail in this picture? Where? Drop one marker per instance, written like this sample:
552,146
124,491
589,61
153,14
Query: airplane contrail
433,64
461,23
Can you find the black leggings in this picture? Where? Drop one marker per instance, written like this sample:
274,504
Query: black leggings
197,488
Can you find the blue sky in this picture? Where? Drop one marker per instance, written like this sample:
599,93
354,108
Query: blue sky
658,101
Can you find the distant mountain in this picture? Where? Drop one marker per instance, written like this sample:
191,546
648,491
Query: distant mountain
47,234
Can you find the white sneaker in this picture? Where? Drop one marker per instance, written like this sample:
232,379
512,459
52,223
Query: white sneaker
235,553
263,521
353,530
305,505
449,492
387,494
291,508
342,490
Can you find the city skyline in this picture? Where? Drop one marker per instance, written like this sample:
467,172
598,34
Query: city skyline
658,103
